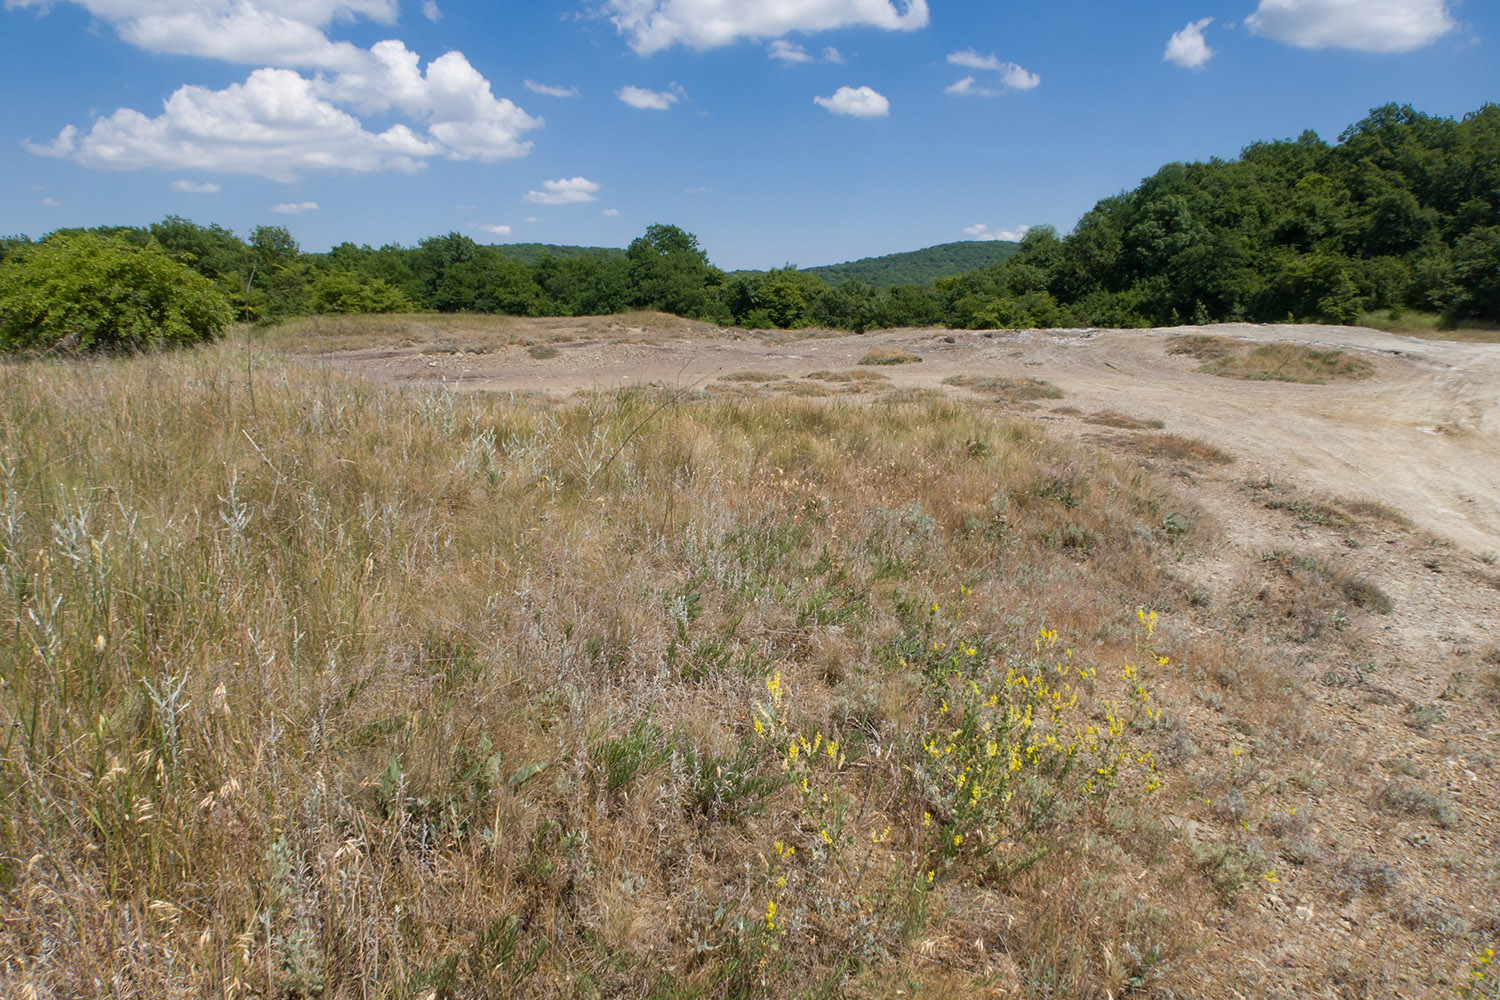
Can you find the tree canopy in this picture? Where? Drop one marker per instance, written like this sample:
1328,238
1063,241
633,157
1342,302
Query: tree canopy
1401,213
86,291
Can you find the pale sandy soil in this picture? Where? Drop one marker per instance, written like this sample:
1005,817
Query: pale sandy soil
1390,697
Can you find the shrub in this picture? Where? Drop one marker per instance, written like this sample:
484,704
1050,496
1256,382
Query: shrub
82,291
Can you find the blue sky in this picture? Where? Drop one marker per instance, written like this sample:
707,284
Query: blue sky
779,131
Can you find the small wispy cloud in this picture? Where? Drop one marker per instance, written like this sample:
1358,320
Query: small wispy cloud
789,52
566,191
495,229
190,187
542,88
833,55
1011,75
295,208
967,88
431,11
50,202
650,100
611,212
980,231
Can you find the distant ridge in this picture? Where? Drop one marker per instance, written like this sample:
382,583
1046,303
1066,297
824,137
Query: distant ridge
530,253
918,267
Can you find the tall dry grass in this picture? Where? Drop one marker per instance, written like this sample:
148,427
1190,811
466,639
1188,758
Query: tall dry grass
317,688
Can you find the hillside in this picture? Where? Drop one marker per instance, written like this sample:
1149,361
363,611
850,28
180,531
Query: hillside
530,253
918,267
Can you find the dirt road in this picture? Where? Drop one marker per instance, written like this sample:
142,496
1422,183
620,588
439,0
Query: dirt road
1422,435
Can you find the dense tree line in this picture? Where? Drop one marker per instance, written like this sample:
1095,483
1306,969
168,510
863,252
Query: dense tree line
918,267
1402,213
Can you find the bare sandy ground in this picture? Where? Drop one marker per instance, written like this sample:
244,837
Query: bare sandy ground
1422,436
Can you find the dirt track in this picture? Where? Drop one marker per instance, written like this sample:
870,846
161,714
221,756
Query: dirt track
1422,436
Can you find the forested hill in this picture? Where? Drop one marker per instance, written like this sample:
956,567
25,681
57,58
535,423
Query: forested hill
530,253
917,267
1401,214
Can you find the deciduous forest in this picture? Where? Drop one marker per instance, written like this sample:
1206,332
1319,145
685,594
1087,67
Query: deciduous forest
1401,214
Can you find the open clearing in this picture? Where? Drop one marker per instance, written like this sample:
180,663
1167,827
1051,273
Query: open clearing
1422,436
427,657
1392,478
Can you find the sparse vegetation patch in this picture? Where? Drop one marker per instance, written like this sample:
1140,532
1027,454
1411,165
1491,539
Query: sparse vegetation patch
1176,448
889,356
1007,390
1109,418
1278,362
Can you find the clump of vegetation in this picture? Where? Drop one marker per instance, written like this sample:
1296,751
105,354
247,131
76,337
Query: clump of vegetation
543,352
889,356
1109,418
1402,796
81,292
1176,448
1270,362
1314,596
754,377
1008,390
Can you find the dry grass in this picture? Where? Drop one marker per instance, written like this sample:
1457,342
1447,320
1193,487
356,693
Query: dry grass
1176,448
312,685
1279,362
1330,512
889,356
1109,418
1430,326
1006,390
439,332
856,375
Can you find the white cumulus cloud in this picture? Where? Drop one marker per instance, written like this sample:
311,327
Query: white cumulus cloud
189,187
431,11
273,125
980,231
542,88
610,212
1363,25
279,123
568,191
858,102
650,100
1187,48
497,230
833,55
1011,75
652,25
295,208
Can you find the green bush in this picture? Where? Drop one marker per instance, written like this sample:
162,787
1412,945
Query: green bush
87,292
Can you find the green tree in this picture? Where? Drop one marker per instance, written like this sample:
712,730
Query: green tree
670,272
83,291
274,275
347,292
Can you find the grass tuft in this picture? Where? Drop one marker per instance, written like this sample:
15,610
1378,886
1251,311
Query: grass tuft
1006,390
889,356
1280,362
